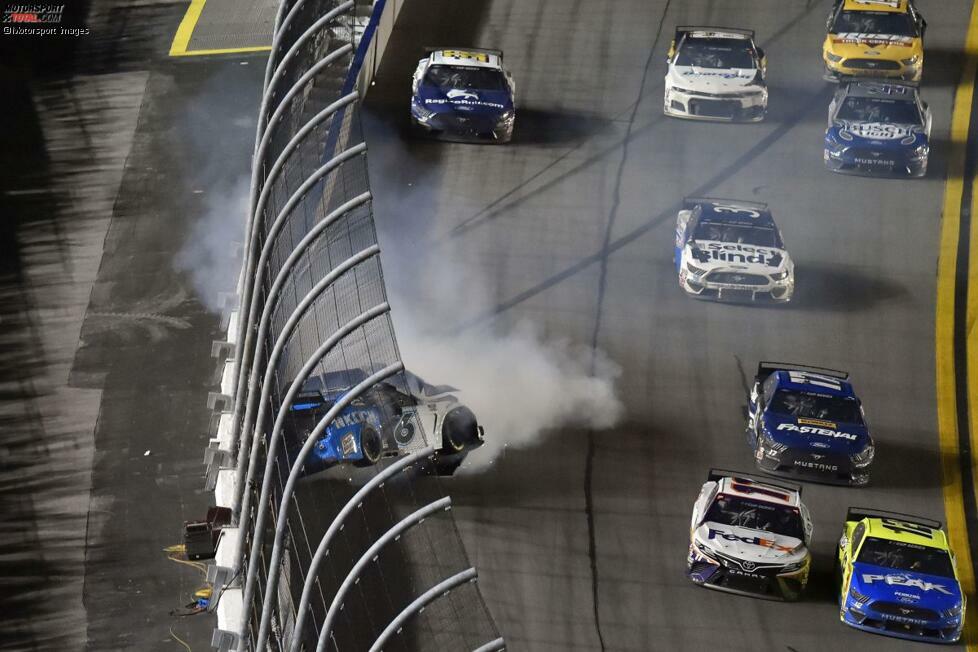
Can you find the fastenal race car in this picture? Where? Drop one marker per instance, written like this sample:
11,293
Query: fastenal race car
384,421
878,129
874,38
731,250
464,94
897,576
750,536
807,422
715,73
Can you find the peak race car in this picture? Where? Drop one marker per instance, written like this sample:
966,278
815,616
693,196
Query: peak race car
386,420
897,576
464,94
807,422
874,38
750,536
731,250
715,73
878,128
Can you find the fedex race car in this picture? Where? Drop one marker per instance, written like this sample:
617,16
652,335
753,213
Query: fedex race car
874,38
464,94
807,422
750,536
715,73
731,250
385,420
897,576
878,128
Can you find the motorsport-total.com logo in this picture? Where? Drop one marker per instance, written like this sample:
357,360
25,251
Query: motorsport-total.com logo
37,19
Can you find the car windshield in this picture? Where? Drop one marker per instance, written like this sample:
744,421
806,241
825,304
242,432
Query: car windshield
759,236
875,109
816,406
716,53
465,77
874,22
756,515
901,555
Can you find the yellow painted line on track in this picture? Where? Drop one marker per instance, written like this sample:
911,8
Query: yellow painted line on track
186,30
947,407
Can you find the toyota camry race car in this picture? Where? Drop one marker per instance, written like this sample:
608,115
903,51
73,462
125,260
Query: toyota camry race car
874,38
878,128
750,536
807,422
731,250
715,73
464,94
897,576
386,420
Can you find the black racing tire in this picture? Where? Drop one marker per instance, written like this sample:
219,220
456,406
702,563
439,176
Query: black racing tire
460,430
372,445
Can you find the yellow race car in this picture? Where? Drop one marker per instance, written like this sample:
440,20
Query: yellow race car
874,38
896,576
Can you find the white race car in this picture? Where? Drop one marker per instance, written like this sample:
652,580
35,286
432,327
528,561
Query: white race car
750,536
731,250
716,73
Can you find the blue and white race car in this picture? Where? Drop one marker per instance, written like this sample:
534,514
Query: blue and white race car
807,422
731,250
464,94
385,420
878,128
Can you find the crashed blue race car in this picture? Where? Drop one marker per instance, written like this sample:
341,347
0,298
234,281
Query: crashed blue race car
878,128
386,420
807,422
464,95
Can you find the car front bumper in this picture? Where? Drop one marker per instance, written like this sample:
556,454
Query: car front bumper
456,126
702,288
817,467
885,163
838,71
864,617
725,575
732,107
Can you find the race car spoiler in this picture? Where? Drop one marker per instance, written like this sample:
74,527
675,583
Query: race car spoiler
691,202
766,368
498,53
719,474
859,513
682,30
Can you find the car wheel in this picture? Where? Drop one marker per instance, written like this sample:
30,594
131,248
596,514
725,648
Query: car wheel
372,447
460,430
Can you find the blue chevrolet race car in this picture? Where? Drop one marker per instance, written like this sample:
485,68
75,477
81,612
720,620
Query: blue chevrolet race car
896,575
386,420
878,128
807,422
464,94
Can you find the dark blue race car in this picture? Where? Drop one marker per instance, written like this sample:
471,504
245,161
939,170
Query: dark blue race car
464,95
385,420
807,422
878,128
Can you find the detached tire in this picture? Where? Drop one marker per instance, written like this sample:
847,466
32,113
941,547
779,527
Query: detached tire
372,446
460,431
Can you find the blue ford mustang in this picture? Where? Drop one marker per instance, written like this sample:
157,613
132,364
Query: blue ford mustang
878,128
464,95
807,422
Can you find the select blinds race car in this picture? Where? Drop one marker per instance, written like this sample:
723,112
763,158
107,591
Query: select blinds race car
897,576
731,250
465,94
383,421
876,38
806,421
878,128
749,536
715,73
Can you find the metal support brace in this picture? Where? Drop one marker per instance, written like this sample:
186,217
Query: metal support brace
337,524
245,406
422,601
354,575
492,646
282,521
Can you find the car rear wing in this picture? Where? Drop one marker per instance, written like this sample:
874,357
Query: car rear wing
691,202
497,53
765,369
718,474
859,513
683,30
